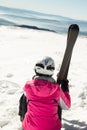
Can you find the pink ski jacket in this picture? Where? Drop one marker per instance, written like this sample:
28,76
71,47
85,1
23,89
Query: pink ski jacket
44,97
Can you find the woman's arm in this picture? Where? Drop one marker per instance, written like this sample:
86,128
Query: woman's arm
65,99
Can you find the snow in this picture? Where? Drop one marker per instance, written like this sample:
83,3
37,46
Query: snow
19,50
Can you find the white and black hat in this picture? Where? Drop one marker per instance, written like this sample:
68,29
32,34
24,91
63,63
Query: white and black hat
45,67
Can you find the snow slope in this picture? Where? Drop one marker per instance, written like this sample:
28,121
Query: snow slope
19,50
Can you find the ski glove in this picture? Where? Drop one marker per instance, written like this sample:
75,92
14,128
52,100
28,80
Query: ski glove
64,85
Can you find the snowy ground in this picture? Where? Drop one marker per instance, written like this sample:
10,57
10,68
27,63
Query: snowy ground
19,50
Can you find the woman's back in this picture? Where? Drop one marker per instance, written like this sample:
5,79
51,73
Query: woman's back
43,105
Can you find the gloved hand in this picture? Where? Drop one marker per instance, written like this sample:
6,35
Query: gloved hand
64,85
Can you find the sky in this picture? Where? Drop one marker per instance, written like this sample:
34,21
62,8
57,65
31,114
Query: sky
71,8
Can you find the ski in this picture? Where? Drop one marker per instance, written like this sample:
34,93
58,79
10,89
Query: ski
73,32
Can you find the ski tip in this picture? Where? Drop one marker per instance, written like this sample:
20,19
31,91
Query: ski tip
74,26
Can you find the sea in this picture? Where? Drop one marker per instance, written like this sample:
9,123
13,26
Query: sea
39,21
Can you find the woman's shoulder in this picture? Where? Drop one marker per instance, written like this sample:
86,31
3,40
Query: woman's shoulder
28,84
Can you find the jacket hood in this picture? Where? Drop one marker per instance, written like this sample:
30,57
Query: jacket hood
44,87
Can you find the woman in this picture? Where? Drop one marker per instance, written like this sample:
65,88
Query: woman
44,96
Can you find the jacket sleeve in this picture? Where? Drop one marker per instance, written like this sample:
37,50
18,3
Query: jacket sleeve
64,100
22,107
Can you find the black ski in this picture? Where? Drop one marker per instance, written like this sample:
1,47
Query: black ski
73,32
